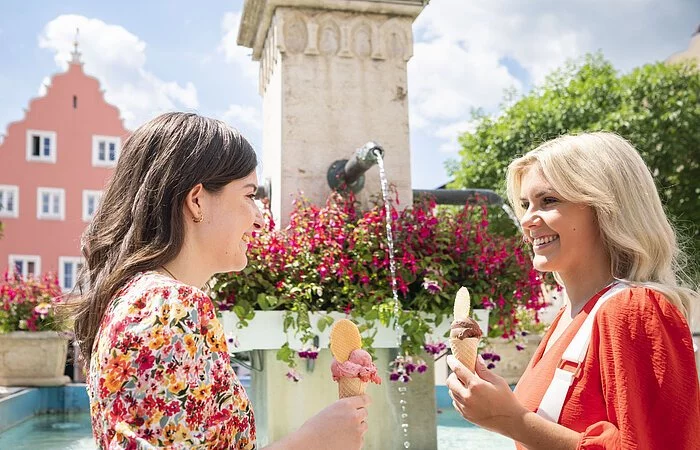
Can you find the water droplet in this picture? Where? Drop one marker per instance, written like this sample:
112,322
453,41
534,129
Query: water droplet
403,408
402,389
404,415
406,444
402,401
404,425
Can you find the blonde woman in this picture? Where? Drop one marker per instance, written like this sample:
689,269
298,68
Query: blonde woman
179,208
616,369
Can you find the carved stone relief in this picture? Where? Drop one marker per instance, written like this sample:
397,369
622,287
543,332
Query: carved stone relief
329,38
295,35
344,35
362,41
312,43
394,43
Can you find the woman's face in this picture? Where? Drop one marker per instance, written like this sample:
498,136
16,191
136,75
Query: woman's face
232,217
565,236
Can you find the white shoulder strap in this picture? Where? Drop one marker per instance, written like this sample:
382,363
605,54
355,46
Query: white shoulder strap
553,400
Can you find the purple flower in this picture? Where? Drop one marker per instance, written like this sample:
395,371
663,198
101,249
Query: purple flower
495,358
520,347
403,367
233,341
433,348
491,366
310,353
487,356
431,286
293,375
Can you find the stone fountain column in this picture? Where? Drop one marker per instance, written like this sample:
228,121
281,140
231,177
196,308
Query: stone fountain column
333,76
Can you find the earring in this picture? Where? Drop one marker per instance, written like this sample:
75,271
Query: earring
198,219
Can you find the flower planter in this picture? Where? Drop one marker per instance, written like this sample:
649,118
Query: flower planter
264,332
29,358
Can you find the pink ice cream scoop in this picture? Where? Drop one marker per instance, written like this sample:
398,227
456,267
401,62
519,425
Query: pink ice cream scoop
359,365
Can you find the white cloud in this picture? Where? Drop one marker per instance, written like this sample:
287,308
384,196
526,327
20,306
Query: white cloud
45,83
117,58
233,53
247,119
451,132
461,46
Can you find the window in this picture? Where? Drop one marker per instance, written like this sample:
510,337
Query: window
25,265
50,203
105,151
9,201
91,200
68,269
41,146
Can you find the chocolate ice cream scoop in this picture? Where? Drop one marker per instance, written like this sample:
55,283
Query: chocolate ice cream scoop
463,329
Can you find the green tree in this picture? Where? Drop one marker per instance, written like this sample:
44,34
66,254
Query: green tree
656,107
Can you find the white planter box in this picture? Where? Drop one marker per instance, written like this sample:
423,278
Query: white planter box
264,332
33,358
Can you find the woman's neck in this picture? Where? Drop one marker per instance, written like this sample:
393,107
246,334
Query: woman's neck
581,286
188,267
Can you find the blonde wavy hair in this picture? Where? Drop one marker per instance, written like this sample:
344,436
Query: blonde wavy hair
605,172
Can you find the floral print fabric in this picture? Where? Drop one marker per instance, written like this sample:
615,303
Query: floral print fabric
160,375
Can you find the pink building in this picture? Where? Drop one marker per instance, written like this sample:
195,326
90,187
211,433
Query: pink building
53,166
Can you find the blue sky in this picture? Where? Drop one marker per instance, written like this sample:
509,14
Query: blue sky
158,55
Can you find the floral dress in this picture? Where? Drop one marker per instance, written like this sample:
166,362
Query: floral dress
160,375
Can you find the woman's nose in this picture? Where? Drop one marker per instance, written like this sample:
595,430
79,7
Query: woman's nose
529,219
259,221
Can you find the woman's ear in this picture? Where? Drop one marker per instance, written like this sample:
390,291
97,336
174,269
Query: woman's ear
193,203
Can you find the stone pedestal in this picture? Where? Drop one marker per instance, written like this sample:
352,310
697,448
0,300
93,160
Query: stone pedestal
282,406
332,76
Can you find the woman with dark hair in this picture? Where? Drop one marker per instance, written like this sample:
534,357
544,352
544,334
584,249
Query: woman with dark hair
179,209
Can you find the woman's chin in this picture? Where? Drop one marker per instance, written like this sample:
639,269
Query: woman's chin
239,265
542,264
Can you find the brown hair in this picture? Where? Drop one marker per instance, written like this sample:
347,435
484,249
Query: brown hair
139,223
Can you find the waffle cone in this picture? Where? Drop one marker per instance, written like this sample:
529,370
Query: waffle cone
465,351
345,337
350,387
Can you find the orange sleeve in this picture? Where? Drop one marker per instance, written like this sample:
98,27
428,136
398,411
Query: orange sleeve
648,375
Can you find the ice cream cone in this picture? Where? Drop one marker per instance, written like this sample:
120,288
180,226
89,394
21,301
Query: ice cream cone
350,387
352,367
465,350
464,331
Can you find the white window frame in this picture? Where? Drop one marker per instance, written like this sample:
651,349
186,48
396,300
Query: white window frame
62,260
36,259
96,161
61,203
14,190
97,195
42,135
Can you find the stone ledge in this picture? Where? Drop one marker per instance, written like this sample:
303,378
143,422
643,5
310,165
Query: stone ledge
257,15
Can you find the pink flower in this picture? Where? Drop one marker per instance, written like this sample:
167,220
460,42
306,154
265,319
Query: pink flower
293,375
